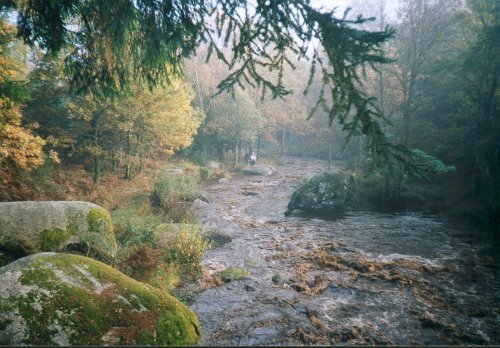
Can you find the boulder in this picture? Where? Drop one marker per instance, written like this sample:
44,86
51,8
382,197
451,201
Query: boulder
203,196
323,194
259,170
198,203
30,227
65,299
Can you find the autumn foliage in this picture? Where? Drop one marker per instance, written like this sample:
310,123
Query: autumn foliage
19,147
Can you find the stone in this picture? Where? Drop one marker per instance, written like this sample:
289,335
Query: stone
324,194
29,227
198,203
261,169
203,196
65,299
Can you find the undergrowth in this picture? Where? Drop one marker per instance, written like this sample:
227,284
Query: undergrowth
173,193
163,261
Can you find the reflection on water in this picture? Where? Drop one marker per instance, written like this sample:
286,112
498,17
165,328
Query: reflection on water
360,278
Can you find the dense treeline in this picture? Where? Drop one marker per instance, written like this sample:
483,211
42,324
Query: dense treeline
44,123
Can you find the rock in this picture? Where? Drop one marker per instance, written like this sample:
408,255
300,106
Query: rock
259,170
198,203
64,299
30,227
276,279
323,194
223,180
204,196
249,287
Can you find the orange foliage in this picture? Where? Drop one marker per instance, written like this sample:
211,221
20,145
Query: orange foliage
18,145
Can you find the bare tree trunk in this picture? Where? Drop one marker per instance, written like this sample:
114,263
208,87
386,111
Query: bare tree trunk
258,145
235,148
97,165
282,142
329,154
128,170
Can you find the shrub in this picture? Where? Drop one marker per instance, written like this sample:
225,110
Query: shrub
234,273
136,234
186,249
162,262
172,193
141,260
165,277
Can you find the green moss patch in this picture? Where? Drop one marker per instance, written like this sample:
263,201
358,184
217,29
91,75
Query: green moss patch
71,299
52,239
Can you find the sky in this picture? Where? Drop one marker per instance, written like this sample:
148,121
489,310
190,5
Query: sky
368,6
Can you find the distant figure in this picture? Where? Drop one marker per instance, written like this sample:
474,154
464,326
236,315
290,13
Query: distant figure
247,158
253,158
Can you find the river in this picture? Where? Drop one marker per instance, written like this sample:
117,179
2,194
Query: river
362,278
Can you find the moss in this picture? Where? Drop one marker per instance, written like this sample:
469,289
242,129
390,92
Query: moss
96,217
172,330
99,222
136,309
4,308
53,239
39,328
39,276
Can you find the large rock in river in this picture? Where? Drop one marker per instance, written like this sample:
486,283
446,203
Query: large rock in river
30,227
260,169
67,299
323,194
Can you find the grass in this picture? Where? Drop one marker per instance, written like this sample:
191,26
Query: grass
234,273
136,210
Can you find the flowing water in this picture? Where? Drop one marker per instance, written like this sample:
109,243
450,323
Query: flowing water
362,278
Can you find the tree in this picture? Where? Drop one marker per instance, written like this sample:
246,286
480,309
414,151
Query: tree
155,122
234,121
19,147
113,44
47,103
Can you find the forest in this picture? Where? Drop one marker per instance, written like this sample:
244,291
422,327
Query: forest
142,115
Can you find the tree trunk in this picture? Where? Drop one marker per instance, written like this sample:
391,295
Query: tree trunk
258,146
114,161
282,142
329,154
220,152
128,169
95,127
235,148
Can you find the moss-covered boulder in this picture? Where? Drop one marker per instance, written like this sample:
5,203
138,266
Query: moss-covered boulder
67,299
30,227
324,194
